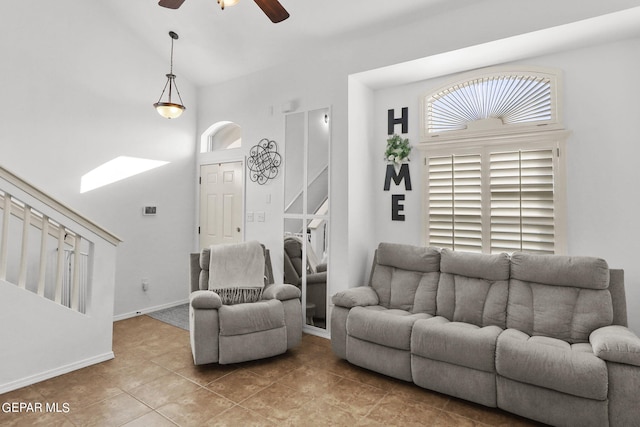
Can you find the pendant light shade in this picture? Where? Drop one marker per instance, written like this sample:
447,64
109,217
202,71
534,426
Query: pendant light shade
167,108
224,3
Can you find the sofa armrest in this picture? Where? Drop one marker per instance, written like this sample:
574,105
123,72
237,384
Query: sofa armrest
281,291
360,296
207,300
616,344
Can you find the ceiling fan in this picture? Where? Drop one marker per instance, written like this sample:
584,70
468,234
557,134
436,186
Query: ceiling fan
272,8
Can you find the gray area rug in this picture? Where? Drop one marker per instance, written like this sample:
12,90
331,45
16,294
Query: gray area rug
176,316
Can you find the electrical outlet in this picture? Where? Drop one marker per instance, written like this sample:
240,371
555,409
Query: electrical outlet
260,216
145,284
249,216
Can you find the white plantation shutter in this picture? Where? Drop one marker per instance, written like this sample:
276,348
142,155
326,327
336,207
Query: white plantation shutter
455,205
496,198
522,201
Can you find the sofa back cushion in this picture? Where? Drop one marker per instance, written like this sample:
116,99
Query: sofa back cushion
405,277
473,288
559,296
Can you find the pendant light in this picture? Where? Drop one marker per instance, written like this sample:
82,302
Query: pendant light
169,109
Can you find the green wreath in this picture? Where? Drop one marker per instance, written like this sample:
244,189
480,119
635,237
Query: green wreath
398,149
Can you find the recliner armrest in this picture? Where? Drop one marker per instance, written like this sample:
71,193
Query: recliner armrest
616,344
353,297
313,278
205,300
281,291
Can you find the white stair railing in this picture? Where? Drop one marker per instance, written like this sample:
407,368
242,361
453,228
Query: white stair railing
68,249
57,285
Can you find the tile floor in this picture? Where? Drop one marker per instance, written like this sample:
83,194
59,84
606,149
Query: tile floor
152,382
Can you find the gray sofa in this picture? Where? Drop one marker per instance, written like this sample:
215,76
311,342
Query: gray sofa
543,337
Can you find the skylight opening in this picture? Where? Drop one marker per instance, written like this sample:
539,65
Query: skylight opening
116,170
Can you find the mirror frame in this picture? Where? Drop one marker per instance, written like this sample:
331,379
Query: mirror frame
304,215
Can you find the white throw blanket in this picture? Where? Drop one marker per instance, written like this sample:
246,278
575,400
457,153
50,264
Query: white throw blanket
236,272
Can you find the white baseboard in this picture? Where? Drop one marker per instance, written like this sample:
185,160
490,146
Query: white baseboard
148,310
322,333
24,382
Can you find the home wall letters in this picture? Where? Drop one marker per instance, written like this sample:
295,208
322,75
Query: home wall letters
397,206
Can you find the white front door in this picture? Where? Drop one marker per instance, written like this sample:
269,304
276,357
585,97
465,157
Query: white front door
221,203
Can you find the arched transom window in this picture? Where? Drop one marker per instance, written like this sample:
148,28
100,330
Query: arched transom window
507,100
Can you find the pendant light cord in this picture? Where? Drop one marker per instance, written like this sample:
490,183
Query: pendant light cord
171,77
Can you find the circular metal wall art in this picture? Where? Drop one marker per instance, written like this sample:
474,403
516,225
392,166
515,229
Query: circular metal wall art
264,161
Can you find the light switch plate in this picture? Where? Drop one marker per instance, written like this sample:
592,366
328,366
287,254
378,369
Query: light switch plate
260,216
249,216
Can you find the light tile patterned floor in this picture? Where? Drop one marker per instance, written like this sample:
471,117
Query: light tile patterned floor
152,382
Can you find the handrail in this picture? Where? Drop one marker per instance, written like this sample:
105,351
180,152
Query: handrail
58,206
310,183
36,219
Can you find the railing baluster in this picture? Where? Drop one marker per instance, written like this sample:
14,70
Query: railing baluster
61,266
6,215
43,255
22,276
75,287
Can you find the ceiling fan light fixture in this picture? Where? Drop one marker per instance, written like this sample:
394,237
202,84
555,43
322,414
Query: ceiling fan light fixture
169,109
225,3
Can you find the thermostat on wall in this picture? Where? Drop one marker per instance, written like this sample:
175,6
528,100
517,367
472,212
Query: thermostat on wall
149,210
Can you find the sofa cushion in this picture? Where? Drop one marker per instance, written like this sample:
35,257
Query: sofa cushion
388,327
558,270
489,267
551,363
251,317
566,313
457,343
473,288
406,277
559,296
408,257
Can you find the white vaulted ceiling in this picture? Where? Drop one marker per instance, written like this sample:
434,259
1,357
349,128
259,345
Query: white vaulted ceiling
216,45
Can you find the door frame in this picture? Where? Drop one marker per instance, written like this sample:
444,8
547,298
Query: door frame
210,158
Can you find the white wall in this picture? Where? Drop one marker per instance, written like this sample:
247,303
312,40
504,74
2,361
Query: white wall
254,102
78,91
600,110
357,171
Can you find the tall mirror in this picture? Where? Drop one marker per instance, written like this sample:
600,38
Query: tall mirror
306,209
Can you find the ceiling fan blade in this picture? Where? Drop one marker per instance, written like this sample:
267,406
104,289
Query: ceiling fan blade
171,4
273,9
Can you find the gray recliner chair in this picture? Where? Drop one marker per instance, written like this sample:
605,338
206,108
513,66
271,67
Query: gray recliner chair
238,332
316,279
